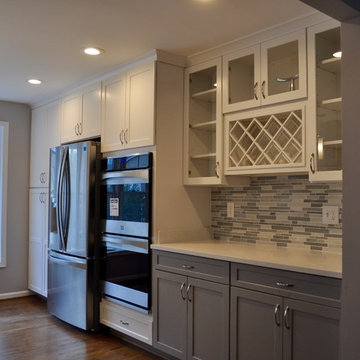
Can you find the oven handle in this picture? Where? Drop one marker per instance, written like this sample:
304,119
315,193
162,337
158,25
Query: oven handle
124,243
135,174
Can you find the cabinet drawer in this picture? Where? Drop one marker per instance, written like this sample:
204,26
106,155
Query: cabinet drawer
127,321
287,283
198,267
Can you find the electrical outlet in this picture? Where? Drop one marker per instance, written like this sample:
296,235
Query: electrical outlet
330,215
230,209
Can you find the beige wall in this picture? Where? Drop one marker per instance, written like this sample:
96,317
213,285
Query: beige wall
13,277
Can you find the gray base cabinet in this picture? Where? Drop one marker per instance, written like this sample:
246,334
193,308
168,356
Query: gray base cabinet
255,335
279,315
206,309
312,331
191,315
170,314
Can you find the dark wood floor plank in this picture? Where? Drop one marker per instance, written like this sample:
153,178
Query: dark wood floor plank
28,331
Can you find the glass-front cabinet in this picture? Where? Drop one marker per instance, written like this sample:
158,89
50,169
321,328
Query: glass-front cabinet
271,72
325,97
203,124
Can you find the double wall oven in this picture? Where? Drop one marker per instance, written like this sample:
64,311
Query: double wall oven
125,221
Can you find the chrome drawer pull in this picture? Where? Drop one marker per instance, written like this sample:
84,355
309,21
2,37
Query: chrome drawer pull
276,314
188,292
286,317
181,291
282,284
124,322
187,267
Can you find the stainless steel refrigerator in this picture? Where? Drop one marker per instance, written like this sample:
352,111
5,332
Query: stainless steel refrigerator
73,219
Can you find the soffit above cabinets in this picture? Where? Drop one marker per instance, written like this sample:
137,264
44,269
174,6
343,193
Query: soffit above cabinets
44,39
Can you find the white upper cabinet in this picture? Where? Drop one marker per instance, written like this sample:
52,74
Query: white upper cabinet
203,124
140,97
325,135
81,114
128,109
271,72
113,113
45,133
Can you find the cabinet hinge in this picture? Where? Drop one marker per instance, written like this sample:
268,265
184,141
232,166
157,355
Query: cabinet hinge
190,126
229,68
229,100
189,172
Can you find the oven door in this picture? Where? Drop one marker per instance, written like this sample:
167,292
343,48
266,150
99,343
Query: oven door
125,270
125,203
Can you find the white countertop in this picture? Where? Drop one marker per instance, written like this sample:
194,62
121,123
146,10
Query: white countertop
293,259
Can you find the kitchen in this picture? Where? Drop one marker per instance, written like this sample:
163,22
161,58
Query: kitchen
15,183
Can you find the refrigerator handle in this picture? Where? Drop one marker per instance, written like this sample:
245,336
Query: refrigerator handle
60,200
66,176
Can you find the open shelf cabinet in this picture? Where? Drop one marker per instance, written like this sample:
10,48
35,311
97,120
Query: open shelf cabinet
203,124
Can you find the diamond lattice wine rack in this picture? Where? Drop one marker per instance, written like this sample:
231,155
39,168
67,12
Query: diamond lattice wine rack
266,141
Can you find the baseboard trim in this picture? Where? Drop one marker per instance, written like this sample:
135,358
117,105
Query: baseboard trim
15,294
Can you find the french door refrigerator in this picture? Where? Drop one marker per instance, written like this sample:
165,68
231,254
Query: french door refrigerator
73,226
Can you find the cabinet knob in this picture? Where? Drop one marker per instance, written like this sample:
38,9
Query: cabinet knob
286,318
126,132
188,292
216,169
76,129
187,267
124,323
283,284
181,291
312,163
256,91
121,137
263,89
277,315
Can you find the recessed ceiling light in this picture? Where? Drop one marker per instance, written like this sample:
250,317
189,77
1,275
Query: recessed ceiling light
93,51
337,54
34,81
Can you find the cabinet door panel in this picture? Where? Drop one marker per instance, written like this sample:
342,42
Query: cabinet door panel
113,114
242,87
37,229
71,117
170,308
91,111
283,66
208,320
255,328
38,152
140,106
53,125
311,331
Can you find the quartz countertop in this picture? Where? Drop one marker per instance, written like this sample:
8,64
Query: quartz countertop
293,259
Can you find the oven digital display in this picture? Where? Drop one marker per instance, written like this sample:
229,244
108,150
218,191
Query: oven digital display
125,202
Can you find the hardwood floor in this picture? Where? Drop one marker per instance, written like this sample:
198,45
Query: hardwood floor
28,331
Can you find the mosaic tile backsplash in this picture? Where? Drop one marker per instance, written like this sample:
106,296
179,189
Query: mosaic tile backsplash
283,210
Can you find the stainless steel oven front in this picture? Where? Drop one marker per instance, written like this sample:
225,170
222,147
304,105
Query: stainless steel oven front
125,222
125,270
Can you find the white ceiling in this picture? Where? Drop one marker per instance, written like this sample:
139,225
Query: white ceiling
44,38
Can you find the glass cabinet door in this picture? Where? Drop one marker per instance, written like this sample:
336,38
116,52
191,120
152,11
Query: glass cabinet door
328,102
242,79
203,118
283,68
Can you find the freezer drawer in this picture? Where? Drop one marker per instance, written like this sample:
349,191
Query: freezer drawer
71,290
